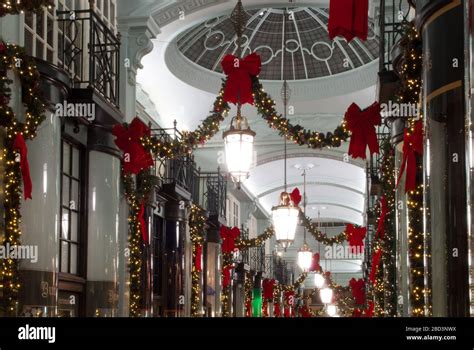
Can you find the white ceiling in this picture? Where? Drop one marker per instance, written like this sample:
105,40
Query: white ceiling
336,188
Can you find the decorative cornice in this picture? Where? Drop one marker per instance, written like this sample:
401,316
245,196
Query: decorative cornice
304,90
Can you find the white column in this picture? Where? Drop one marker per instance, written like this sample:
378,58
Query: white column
103,234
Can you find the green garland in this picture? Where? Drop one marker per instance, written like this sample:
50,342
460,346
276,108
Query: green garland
197,224
321,237
14,58
255,242
295,133
15,7
135,194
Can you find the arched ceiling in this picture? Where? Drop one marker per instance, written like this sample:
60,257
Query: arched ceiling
293,43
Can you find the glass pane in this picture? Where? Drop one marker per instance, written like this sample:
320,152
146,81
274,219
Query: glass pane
40,23
49,55
29,19
65,224
64,257
50,30
75,162
73,259
66,150
74,200
65,190
74,227
39,49
29,42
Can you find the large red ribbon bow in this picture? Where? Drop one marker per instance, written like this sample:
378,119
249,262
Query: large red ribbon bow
198,258
268,285
136,157
380,233
19,144
295,196
362,124
375,266
358,290
228,236
349,19
143,225
412,145
355,236
238,88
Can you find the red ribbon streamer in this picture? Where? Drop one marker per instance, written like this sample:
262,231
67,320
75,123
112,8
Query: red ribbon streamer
358,290
268,285
412,146
238,88
355,236
143,225
20,145
198,258
380,233
349,19
362,124
136,157
265,308
375,265
226,276
228,236
369,312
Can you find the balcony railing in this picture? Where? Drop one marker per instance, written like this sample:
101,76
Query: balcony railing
90,51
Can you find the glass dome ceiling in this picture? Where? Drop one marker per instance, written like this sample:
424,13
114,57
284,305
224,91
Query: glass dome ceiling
301,34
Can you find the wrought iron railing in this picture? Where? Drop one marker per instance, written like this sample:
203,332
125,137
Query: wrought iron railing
392,20
90,51
214,193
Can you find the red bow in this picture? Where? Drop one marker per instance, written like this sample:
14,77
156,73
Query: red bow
412,145
136,158
198,258
238,88
295,196
315,263
143,226
380,227
375,264
268,286
229,235
20,145
362,126
358,290
355,236
349,18
226,276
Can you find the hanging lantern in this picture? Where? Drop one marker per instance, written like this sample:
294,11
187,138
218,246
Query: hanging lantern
305,258
238,141
331,310
326,295
319,280
285,219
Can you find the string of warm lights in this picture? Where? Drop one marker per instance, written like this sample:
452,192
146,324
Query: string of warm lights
409,92
255,242
14,58
14,7
320,236
197,226
136,191
225,293
295,133
248,285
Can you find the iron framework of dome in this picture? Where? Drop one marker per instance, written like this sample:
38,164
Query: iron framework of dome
309,53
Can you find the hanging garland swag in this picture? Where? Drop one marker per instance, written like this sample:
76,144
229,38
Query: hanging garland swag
14,7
